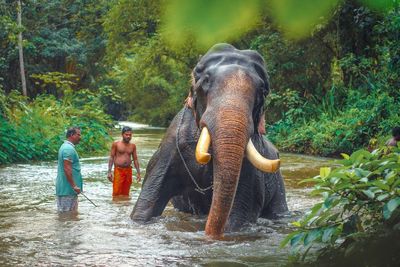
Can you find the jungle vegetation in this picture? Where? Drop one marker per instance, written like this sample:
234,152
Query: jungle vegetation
334,73
334,69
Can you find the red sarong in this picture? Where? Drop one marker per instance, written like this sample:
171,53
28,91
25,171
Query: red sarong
122,181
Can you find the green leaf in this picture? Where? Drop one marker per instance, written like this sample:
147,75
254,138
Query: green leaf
296,239
311,236
296,223
381,185
327,234
328,201
369,193
359,155
361,173
345,156
311,215
390,177
323,218
382,197
308,180
324,172
288,238
389,207
334,180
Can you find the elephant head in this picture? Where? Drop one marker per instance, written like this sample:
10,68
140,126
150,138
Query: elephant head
227,97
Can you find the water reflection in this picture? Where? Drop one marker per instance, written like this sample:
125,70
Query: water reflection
32,233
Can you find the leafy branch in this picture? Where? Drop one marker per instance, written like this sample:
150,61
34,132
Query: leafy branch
358,196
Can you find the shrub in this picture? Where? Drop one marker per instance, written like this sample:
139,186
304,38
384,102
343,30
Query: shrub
358,197
35,130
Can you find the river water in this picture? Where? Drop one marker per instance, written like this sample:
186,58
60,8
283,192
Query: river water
33,234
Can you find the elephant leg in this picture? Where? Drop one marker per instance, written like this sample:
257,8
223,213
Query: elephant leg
160,182
275,203
157,189
249,198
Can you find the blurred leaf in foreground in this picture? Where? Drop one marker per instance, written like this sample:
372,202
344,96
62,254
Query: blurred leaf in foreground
209,22
298,18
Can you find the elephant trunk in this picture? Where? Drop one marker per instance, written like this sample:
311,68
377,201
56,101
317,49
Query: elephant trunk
229,142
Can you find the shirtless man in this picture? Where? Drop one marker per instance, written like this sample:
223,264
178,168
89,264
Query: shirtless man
122,154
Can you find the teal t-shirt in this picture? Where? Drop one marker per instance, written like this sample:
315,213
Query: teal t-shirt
67,152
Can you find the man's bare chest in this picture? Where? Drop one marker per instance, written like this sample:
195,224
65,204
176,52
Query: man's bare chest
124,149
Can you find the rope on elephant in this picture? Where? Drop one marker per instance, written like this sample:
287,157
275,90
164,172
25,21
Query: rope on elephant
198,188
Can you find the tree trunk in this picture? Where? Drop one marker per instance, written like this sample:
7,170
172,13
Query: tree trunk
21,52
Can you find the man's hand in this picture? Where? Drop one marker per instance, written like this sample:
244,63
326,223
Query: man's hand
110,176
138,177
77,189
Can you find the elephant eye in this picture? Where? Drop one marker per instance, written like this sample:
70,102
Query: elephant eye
205,84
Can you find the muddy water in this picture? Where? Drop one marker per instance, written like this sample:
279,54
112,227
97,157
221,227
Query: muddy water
33,234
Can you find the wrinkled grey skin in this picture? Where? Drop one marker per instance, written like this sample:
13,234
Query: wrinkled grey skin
257,194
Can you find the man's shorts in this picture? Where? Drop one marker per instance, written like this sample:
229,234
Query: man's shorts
67,203
122,181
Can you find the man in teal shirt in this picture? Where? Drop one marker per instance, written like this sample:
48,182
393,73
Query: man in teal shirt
69,178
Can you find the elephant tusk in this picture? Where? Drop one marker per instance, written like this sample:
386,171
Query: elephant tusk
202,155
258,161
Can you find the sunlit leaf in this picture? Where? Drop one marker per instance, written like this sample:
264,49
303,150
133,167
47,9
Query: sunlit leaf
324,172
209,22
296,223
345,156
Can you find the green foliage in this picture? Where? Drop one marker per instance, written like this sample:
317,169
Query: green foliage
380,5
55,80
226,19
129,24
298,19
359,108
335,131
59,36
34,130
324,85
361,194
154,83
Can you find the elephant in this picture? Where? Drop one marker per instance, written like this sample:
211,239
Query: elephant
213,159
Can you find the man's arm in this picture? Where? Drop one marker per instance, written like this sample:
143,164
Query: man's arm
68,174
111,162
136,163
